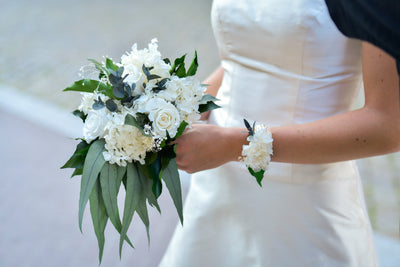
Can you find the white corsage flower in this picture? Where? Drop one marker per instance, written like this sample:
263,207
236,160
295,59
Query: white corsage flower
257,154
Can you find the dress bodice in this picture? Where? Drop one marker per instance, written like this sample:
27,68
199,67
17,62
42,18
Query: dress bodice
285,62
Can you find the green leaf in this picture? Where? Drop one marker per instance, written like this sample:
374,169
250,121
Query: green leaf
181,128
111,106
88,86
258,175
121,172
132,197
207,98
110,65
78,158
143,214
99,216
179,65
206,107
93,164
171,178
108,182
99,66
79,114
130,120
193,66
147,185
77,172
154,171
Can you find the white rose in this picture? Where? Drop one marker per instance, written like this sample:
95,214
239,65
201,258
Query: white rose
95,124
165,117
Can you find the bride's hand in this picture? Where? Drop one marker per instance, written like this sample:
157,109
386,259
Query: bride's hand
206,146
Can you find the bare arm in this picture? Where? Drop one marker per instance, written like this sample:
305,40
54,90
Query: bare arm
214,82
371,130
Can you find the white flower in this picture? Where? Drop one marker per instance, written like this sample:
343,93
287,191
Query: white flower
150,57
164,115
95,124
88,101
125,143
257,154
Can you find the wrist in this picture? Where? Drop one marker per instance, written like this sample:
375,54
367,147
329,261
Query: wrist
234,138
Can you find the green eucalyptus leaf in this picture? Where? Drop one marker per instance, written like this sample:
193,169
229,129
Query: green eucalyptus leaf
152,77
78,158
207,98
206,107
193,66
121,172
154,169
143,214
79,114
94,162
147,185
108,182
88,86
171,178
132,197
258,175
99,216
111,106
77,171
130,120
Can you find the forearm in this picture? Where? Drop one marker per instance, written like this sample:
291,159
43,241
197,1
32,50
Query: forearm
352,135
214,81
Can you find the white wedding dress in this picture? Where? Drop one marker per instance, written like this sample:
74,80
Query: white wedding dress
285,63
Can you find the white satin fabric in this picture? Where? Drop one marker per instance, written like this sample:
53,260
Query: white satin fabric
285,63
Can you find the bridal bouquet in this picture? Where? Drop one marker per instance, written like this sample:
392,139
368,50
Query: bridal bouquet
131,114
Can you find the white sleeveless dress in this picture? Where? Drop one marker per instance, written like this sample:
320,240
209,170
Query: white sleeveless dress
285,63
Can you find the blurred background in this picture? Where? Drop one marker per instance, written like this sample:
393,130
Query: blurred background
43,44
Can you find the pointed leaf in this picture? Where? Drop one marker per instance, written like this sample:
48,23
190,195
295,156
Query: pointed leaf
133,189
207,98
171,178
99,216
98,65
87,85
78,158
93,164
147,185
130,120
193,66
108,180
110,65
79,114
258,175
121,172
209,106
143,214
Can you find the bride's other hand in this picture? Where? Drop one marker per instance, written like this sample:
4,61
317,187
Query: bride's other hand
206,146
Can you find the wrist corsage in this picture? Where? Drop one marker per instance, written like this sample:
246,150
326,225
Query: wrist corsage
257,154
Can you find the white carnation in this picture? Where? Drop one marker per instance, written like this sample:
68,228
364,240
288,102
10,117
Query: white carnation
126,143
257,154
95,124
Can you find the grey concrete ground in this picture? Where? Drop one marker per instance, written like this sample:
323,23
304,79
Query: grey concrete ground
43,44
